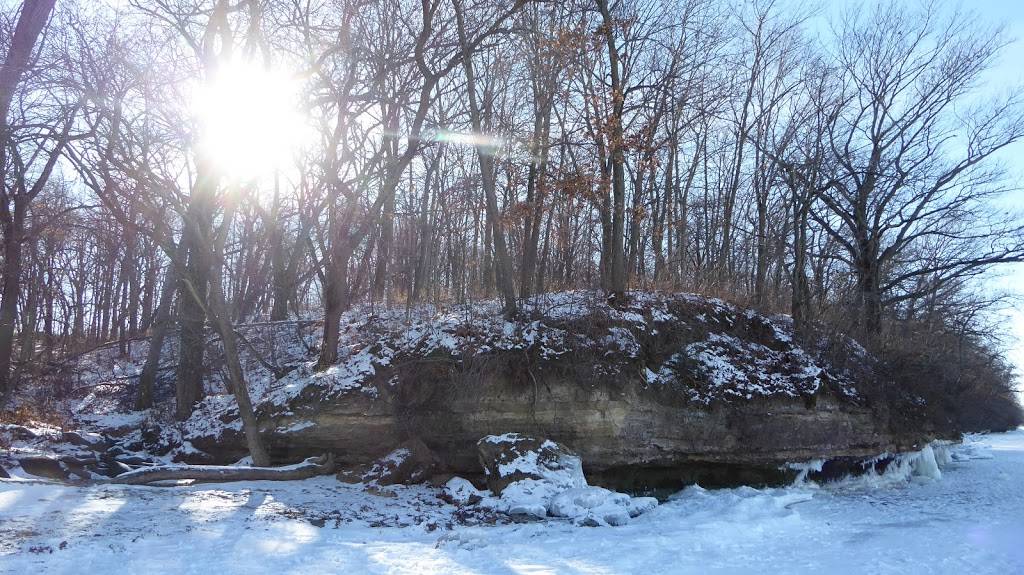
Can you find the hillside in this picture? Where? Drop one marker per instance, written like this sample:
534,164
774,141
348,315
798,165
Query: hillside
672,389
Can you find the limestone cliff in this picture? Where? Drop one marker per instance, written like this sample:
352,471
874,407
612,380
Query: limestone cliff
674,387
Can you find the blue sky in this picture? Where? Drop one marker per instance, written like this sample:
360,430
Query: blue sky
1010,70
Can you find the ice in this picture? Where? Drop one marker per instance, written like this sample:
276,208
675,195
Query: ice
918,466
594,506
805,468
925,465
532,496
969,521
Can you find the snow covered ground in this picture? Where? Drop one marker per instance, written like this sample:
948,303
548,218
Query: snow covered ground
969,521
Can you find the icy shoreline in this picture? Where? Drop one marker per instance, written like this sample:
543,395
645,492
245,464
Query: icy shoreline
970,520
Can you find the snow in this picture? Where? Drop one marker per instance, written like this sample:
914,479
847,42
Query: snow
551,483
209,468
745,369
461,491
373,339
596,506
969,521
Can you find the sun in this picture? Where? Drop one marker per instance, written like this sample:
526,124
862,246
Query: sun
249,119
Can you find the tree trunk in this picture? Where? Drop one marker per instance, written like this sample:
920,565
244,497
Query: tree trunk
33,17
617,271
282,282
869,291
801,296
13,230
311,467
218,311
761,265
384,240
422,265
485,155
535,195
335,299
193,289
282,279
161,322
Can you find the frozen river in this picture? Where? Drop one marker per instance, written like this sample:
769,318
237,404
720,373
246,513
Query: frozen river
971,520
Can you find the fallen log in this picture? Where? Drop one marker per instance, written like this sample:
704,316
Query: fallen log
311,467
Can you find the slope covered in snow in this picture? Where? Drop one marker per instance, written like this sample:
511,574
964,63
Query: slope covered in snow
707,348
683,348
971,520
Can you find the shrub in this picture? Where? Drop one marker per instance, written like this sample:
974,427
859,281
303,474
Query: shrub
953,381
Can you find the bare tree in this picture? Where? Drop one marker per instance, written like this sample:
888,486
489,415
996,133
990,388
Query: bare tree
20,155
910,155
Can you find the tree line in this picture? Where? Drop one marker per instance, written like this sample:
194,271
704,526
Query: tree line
844,172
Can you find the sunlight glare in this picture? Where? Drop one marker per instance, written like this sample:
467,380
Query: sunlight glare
287,538
468,139
249,121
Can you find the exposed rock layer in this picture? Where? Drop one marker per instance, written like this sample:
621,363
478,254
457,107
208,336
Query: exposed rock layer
615,430
674,391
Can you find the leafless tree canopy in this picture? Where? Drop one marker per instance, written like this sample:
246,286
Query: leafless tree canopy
177,166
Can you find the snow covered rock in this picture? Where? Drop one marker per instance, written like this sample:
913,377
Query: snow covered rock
411,462
594,506
510,458
527,472
93,441
42,466
528,498
17,432
459,491
540,478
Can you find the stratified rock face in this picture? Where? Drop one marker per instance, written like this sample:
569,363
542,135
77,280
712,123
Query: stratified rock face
675,388
614,428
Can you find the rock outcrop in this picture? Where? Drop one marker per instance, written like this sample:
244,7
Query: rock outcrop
670,390
51,453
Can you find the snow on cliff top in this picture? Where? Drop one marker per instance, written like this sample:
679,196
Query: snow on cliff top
718,351
703,348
